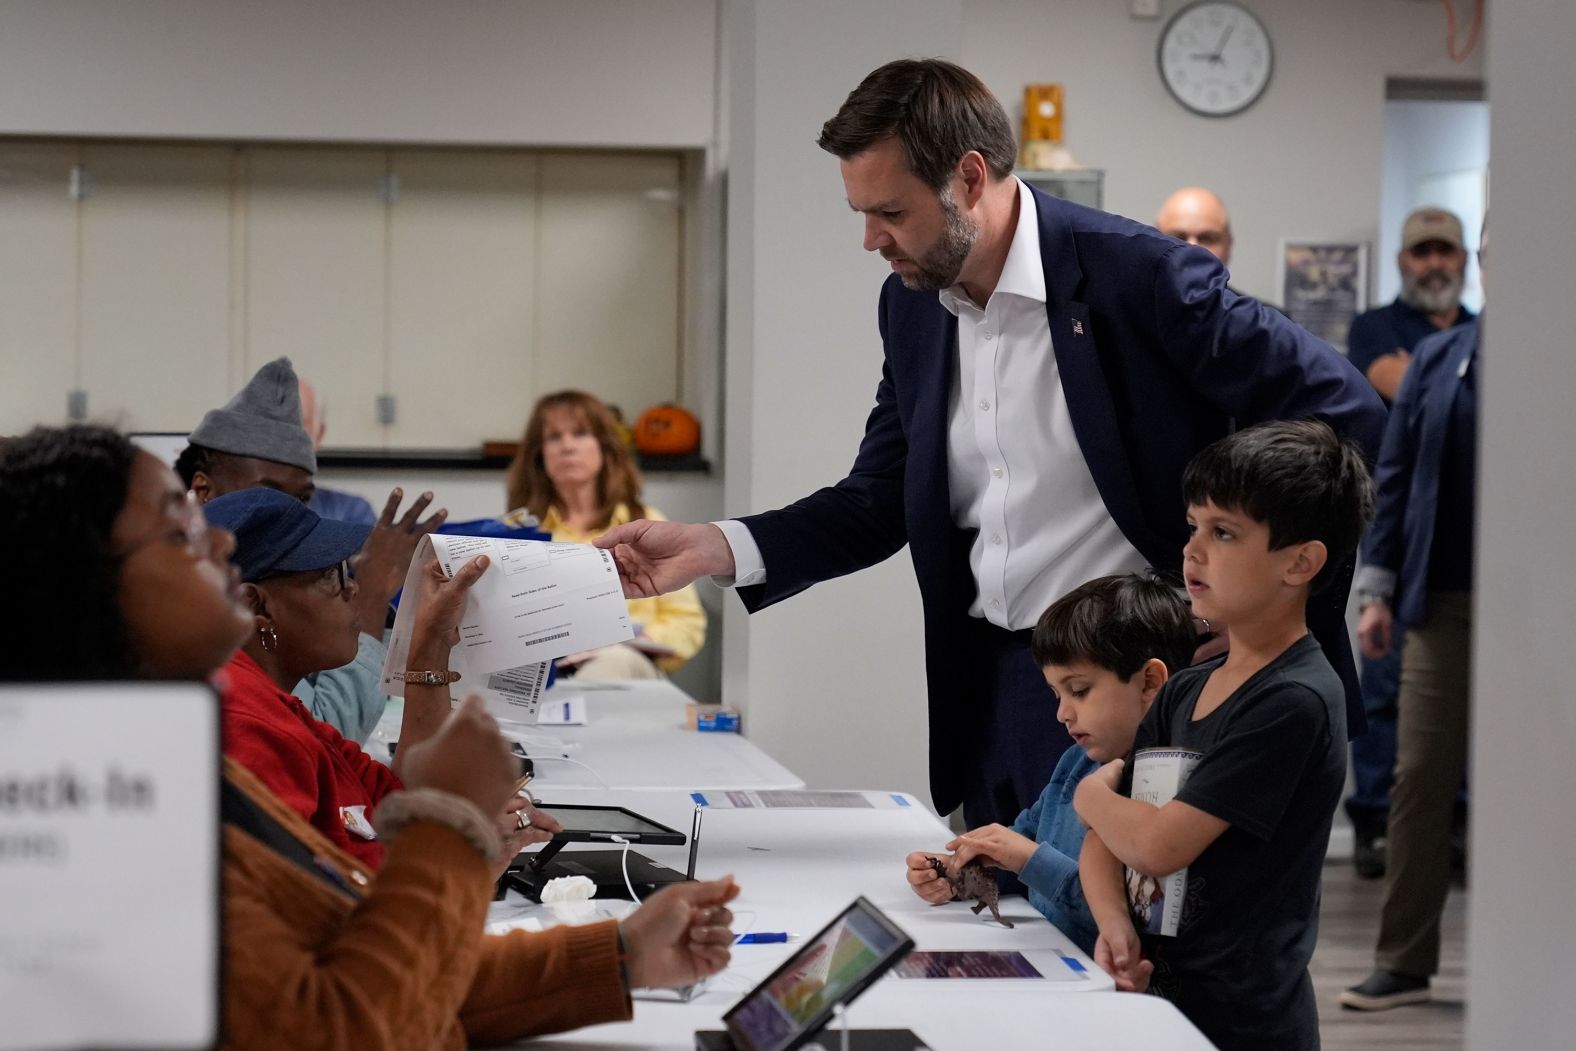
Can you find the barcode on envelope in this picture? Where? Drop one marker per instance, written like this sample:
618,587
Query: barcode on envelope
548,638
521,685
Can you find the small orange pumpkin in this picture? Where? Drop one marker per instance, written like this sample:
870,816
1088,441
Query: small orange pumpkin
667,430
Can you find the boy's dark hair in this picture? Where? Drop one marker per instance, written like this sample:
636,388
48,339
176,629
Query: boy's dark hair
1295,476
938,111
62,489
1117,623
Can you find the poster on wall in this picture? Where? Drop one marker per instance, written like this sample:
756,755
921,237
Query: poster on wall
1324,285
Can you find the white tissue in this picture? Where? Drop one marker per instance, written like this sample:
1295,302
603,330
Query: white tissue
567,888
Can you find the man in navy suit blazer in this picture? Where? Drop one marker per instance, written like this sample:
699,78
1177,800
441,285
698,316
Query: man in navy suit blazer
1156,358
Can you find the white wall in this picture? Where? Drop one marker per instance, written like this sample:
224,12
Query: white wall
832,682
1423,140
1523,779
1303,162
588,73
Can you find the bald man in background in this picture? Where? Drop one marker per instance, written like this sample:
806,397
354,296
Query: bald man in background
1197,216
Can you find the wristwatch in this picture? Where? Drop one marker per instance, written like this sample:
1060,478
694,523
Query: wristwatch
1368,598
429,677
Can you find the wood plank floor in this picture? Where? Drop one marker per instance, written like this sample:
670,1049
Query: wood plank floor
1348,923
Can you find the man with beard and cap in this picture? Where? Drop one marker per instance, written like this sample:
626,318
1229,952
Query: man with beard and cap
1049,371
257,440
1433,262
1419,571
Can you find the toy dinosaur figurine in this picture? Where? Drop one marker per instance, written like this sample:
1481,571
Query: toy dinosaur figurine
973,881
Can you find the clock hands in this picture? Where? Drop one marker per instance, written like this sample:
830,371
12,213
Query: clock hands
1220,48
1214,57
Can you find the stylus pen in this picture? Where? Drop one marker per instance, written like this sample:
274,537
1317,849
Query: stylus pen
762,937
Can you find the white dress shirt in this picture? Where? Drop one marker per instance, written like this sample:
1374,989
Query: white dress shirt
1022,483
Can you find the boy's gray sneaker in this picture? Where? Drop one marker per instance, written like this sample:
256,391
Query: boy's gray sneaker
1383,990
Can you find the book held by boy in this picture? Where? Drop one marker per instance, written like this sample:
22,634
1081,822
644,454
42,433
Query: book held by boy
1156,904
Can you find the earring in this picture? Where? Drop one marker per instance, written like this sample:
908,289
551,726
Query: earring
270,637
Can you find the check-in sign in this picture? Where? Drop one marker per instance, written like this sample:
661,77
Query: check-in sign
109,866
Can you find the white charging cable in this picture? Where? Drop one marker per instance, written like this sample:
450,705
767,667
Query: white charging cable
565,759
623,863
840,1018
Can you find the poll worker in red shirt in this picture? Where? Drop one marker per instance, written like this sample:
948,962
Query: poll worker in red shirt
305,619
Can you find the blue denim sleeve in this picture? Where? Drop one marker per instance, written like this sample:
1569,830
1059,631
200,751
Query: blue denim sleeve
1049,870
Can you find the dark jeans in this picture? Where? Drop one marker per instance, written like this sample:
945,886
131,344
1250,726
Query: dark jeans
1014,741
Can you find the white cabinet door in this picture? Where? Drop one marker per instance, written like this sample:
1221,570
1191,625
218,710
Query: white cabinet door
156,284
466,286
609,268
38,283
314,255
462,296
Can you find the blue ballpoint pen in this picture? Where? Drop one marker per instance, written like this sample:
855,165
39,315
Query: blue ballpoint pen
762,937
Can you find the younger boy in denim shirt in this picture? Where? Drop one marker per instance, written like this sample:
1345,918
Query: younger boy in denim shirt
1275,511
1106,648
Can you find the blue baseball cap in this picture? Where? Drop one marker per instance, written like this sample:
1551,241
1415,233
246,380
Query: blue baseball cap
275,533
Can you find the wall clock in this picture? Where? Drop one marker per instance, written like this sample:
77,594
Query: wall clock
1215,58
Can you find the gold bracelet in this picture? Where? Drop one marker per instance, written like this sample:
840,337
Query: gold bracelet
429,677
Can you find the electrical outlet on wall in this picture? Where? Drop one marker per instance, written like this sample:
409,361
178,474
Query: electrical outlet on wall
1146,8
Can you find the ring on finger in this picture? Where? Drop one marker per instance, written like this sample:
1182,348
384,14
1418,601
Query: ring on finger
521,821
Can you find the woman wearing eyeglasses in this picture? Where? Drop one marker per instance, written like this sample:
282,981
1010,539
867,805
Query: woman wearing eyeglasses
124,580
304,619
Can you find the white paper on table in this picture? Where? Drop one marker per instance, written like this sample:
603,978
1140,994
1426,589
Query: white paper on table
800,799
536,601
567,709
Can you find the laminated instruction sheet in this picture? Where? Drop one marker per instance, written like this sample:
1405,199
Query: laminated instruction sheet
536,601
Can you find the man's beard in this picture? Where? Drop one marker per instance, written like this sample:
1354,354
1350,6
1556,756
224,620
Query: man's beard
1434,291
941,265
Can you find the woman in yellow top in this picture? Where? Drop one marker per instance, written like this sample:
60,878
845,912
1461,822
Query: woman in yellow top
577,476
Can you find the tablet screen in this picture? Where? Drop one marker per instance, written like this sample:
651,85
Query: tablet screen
832,968
581,821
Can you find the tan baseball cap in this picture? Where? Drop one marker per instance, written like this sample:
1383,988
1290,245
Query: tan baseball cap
1431,224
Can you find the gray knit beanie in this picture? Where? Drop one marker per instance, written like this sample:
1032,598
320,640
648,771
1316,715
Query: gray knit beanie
263,421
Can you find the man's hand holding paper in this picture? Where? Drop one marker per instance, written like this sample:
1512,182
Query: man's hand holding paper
655,558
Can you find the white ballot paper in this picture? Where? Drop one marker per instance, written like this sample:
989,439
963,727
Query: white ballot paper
537,601
109,866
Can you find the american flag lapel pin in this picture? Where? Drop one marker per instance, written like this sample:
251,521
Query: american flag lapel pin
1077,327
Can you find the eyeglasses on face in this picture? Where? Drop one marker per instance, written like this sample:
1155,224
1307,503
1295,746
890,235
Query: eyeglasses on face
332,581
182,524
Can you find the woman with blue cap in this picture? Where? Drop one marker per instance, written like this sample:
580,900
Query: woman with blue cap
304,619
